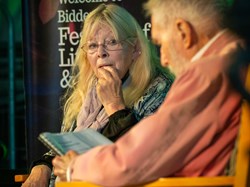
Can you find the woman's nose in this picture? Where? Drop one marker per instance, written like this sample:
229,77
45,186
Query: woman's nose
101,51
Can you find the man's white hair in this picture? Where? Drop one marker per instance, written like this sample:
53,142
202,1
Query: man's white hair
205,15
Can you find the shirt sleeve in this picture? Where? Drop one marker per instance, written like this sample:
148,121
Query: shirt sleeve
44,160
119,123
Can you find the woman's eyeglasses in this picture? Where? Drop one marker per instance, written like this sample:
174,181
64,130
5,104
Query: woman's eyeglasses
110,45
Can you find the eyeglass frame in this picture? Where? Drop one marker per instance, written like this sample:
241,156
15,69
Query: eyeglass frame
105,45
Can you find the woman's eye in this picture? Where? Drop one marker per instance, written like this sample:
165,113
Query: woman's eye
112,42
92,46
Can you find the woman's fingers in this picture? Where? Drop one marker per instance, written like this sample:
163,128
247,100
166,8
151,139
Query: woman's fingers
108,73
109,90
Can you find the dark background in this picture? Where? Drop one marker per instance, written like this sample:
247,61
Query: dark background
30,77
12,105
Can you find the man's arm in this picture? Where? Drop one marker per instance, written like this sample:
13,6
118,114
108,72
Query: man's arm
160,145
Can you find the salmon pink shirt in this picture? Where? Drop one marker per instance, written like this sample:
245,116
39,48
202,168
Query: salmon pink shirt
192,134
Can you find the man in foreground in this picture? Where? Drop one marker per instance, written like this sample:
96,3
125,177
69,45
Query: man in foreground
194,131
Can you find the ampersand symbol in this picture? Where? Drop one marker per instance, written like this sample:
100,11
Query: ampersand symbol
65,81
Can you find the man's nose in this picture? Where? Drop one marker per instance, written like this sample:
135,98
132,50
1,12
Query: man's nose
102,52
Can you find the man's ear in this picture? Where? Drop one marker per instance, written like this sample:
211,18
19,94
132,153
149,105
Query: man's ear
184,32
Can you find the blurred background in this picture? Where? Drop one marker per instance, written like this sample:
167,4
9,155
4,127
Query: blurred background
12,124
29,55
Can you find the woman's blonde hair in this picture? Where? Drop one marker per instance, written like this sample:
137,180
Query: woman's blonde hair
141,71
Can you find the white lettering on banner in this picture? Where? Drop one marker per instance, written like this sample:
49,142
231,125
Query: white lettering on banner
65,35
146,28
83,1
66,62
66,16
65,81
73,39
67,59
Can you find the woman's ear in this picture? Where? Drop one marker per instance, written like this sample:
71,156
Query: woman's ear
136,51
184,32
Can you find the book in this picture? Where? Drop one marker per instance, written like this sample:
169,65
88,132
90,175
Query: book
79,141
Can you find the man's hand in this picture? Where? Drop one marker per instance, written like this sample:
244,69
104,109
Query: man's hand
61,163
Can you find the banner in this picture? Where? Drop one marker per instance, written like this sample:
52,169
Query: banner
51,36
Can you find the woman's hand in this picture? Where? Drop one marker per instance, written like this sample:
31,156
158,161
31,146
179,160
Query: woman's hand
109,89
61,163
39,176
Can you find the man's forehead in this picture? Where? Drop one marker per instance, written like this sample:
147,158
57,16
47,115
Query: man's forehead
156,30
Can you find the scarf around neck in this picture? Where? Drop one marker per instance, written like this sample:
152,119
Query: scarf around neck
92,113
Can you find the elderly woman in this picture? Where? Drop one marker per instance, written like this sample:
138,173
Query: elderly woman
117,80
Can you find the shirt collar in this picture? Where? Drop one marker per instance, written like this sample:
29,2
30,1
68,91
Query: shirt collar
199,54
